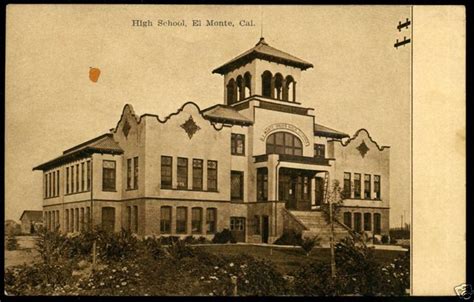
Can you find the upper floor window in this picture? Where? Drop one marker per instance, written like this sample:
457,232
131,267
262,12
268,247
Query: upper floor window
129,174
347,185
231,92
377,186
135,172
166,172
367,189
284,143
320,150
262,184
108,175
67,180
88,175
197,174
83,177
182,173
212,175
236,185
267,84
357,185
77,179
237,144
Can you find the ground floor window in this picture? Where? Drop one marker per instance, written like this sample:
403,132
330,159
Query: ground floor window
357,222
108,219
367,222
211,218
237,227
196,220
181,219
262,184
257,224
348,219
377,223
165,221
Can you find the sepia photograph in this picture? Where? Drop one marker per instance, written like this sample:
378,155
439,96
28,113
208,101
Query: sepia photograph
211,150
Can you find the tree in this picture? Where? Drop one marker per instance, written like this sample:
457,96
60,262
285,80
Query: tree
331,208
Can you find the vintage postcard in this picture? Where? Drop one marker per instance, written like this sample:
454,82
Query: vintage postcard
218,150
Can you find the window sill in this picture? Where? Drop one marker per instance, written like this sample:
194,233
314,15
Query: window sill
237,201
235,154
76,193
190,190
109,190
131,189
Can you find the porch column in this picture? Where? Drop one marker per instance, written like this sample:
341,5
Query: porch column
313,192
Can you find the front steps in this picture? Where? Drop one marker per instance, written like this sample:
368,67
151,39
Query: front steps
316,225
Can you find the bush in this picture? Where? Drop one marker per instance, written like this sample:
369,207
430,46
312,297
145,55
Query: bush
12,243
179,249
307,244
224,237
289,237
385,239
167,240
314,279
393,240
154,247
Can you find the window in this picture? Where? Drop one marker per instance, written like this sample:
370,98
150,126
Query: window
83,176
284,143
197,174
211,218
88,218
166,172
267,84
129,218
181,219
76,217
50,189
53,193
236,185
257,224
262,184
377,186
367,222
108,175
57,183
72,179
135,219
357,222
231,92
45,185
356,185
88,175
237,144
165,220
196,220
212,175
347,185
135,173
67,180
237,223
348,219
77,178
305,192
67,221
377,224
367,189
182,173
129,174
81,222
320,150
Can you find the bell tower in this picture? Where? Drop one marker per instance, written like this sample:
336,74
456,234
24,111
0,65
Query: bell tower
262,71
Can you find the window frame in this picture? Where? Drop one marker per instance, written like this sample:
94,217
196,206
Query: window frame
170,166
165,222
235,138
181,224
104,175
180,175
211,225
214,178
273,146
240,175
198,174
195,222
318,148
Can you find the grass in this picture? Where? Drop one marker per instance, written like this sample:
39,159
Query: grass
288,259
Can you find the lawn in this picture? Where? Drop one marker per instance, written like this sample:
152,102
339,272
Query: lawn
287,259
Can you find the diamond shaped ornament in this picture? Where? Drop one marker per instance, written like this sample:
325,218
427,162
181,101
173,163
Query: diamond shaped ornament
190,127
363,149
126,128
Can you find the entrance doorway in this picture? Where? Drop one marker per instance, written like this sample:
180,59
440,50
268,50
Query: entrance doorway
108,219
265,229
294,188
237,228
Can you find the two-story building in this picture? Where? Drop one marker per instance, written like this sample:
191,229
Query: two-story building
257,164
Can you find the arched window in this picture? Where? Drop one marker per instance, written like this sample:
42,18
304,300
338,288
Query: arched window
240,87
284,143
247,84
267,84
231,92
348,219
278,94
289,89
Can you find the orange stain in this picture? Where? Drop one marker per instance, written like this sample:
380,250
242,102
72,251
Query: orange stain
94,74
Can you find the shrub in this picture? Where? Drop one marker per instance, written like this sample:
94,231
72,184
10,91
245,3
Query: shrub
307,244
203,239
393,240
385,239
223,237
289,237
314,279
154,247
179,249
12,243
167,240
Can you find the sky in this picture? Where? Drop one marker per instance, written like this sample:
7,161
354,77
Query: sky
359,79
